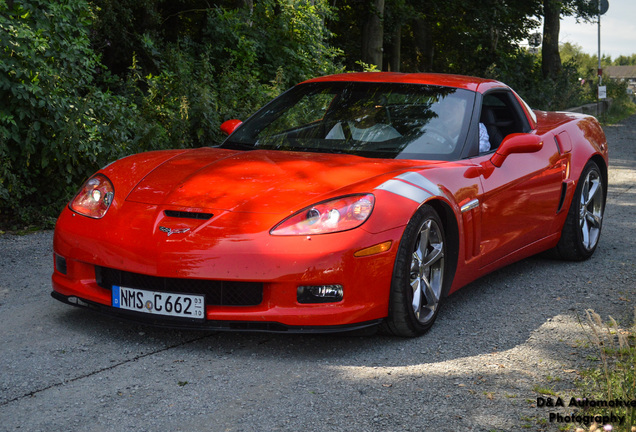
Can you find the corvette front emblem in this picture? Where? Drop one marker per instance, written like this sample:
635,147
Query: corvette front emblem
171,231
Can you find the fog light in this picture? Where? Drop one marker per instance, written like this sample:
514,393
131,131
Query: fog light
320,294
60,263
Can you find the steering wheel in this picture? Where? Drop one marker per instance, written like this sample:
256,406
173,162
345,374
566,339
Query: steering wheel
441,137
433,141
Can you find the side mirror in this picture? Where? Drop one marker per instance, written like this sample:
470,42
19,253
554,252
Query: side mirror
516,143
229,126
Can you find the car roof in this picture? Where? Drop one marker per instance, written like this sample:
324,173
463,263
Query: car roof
480,85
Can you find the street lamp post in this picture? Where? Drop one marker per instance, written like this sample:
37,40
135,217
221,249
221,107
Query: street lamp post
603,6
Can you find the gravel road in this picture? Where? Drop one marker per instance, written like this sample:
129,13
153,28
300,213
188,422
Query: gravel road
494,345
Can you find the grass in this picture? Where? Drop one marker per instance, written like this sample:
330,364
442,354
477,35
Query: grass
619,110
550,378
25,230
543,390
615,376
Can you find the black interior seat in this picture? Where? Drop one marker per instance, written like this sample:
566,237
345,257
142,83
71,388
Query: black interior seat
490,121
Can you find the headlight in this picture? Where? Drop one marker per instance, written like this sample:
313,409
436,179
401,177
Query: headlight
331,216
94,197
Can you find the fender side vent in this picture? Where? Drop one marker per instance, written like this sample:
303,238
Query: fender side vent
564,188
188,215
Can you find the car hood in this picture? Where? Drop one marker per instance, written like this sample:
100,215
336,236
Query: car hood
258,181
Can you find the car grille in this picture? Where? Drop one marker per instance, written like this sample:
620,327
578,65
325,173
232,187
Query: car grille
217,293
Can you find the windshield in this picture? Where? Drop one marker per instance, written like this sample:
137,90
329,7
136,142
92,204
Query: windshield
399,121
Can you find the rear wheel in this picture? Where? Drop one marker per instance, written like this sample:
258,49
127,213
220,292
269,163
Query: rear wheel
418,284
582,228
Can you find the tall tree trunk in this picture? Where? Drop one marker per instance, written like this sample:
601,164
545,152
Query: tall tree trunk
373,34
249,4
550,58
424,44
395,50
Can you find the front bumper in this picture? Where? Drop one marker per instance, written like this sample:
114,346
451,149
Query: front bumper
280,264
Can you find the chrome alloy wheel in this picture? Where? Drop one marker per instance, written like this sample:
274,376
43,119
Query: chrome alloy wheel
591,209
427,271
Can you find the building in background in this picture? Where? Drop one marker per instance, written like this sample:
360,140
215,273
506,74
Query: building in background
627,73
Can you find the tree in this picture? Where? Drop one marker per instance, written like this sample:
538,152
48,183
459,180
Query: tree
551,61
396,14
56,126
625,60
373,34
552,11
173,71
464,36
461,36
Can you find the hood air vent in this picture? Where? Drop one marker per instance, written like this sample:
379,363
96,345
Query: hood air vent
188,215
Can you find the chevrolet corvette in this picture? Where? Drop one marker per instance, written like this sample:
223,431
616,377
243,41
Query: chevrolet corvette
350,201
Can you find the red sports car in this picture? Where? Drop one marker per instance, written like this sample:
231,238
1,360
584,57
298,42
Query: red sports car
350,201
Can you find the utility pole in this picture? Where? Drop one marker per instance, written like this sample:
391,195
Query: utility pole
603,6
600,71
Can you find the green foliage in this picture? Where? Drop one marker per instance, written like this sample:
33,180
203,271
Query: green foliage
290,35
463,36
622,104
176,74
625,60
587,65
228,66
124,27
52,119
471,35
522,71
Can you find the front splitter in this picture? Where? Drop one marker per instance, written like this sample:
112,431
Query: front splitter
211,325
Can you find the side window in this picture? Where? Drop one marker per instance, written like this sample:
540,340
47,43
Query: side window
500,116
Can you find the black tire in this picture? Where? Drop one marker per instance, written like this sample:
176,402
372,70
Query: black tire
582,229
420,276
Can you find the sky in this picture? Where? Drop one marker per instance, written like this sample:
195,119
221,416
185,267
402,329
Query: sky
618,31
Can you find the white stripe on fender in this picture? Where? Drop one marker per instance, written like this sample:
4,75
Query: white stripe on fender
406,190
421,181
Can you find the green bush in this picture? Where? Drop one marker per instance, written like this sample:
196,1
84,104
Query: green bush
622,104
522,71
228,67
190,98
175,73
64,114
56,127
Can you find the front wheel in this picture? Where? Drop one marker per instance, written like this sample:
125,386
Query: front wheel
582,228
419,275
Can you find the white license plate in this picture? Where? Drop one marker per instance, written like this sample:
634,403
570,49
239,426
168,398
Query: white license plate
159,303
